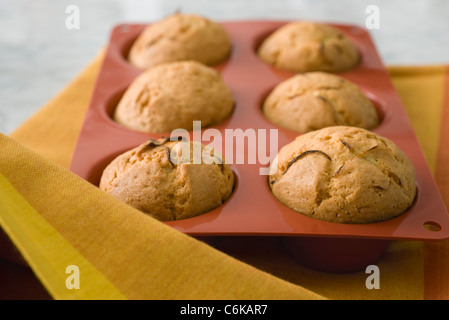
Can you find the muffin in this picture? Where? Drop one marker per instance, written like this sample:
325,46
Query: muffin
180,37
173,95
309,46
162,179
344,175
315,100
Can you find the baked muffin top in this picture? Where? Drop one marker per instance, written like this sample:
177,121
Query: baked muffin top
180,37
315,100
344,175
307,46
173,95
162,179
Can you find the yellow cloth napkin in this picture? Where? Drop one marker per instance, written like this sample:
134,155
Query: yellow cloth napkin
57,220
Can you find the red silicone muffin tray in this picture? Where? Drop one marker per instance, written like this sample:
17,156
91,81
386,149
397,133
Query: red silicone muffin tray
252,210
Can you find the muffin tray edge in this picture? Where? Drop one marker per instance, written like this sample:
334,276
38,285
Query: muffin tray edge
252,210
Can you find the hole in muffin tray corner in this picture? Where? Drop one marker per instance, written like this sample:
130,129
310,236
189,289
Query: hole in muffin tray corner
432,226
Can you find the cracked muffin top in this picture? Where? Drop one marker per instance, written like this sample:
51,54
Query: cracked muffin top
173,95
308,46
316,100
344,175
180,37
162,179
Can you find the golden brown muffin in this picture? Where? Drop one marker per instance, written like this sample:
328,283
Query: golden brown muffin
172,96
345,175
316,100
309,46
180,37
162,181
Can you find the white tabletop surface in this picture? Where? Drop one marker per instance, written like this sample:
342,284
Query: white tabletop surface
39,55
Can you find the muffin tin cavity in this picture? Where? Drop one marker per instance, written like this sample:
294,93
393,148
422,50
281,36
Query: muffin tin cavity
362,174
180,37
151,178
174,95
252,210
303,46
111,103
289,100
